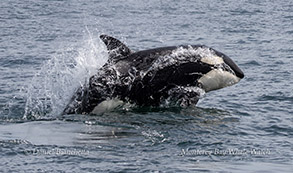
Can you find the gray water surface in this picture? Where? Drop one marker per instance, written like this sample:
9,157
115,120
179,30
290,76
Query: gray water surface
244,128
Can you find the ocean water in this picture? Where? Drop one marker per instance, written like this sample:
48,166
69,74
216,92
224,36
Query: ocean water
50,47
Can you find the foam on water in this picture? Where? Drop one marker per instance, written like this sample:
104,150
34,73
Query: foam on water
53,85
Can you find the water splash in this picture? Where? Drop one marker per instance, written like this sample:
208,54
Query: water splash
53,85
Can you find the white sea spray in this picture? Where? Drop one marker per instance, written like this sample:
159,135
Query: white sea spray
54,84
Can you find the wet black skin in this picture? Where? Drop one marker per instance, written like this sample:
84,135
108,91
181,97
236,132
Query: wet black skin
143,90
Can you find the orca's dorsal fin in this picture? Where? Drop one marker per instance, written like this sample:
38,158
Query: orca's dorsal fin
115,47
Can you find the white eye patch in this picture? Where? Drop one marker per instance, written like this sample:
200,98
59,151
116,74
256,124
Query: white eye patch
212,60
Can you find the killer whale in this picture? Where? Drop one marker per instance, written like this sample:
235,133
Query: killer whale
177,75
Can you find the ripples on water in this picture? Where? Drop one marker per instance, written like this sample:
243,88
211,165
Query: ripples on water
49,48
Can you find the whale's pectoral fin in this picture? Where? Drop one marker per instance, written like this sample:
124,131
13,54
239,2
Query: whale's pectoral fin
184,96
115,47
76,104
85,99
